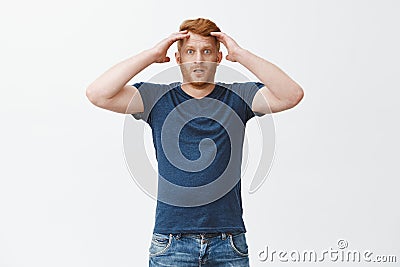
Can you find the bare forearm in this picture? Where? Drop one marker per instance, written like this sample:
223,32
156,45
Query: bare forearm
277,81
114,79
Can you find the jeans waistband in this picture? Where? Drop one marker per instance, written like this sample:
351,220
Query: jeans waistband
207,235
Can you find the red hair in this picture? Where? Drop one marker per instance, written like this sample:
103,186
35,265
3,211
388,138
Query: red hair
199,26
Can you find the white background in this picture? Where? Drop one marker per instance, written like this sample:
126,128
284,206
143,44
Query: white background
66,196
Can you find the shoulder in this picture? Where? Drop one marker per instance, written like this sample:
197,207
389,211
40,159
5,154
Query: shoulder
146,85
153,90
153,85
173,85
241,85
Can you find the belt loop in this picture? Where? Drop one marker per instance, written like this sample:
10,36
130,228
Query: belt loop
223,236
178,236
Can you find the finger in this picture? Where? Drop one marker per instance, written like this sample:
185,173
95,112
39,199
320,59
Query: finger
181,32
216,33
185,32
178,37
221,39
173,38
228,57
167,59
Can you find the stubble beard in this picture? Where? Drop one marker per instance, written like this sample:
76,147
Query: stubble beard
198,83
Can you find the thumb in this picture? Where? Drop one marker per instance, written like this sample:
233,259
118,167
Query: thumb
230,58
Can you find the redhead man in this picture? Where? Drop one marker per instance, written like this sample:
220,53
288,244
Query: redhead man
197,128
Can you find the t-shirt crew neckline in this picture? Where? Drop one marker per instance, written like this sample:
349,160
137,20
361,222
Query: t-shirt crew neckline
211,94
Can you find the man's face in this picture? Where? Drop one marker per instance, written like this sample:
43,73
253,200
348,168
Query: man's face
198,59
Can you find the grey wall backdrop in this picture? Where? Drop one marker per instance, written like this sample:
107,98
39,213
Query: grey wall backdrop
66,196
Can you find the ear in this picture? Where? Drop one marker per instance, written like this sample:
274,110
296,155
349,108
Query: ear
178,57
219,57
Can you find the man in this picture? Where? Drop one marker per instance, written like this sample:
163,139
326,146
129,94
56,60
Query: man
198,129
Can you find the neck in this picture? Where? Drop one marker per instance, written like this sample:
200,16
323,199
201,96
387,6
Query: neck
198,90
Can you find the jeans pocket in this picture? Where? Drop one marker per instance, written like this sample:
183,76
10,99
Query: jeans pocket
239,244
159,244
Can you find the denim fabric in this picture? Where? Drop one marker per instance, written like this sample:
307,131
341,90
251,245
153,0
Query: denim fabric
224,249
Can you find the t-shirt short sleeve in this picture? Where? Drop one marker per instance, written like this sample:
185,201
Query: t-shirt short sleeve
247,91
150,93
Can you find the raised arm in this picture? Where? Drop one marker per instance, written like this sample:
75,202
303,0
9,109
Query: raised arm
110,91
280,91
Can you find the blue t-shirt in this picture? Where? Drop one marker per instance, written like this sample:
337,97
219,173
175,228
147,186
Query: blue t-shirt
198,143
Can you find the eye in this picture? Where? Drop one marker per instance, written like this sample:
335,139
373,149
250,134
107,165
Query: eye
207,51
190,51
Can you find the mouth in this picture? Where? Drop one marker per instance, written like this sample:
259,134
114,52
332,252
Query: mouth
199,71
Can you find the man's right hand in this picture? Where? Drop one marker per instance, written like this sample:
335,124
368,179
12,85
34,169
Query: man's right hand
111,91
162,47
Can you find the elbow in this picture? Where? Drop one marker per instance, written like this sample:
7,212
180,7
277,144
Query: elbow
297,96
90,94
300,94
93,97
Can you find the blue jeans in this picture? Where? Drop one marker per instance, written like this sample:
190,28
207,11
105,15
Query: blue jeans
223,249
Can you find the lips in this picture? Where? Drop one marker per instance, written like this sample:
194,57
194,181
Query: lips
199,70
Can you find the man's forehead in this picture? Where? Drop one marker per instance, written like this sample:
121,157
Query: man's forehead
196,39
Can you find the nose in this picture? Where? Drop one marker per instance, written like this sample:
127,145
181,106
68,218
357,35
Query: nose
199,57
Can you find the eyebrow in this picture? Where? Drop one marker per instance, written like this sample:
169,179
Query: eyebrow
205,47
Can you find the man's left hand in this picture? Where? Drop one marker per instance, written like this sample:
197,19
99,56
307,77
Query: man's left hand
230,44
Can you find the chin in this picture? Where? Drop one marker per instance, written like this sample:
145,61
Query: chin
199,84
